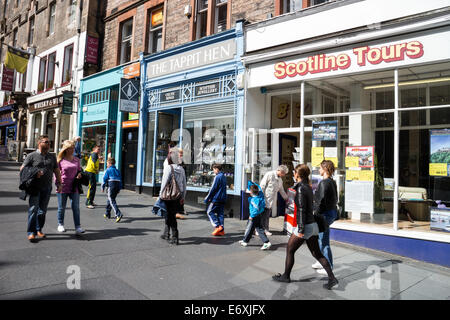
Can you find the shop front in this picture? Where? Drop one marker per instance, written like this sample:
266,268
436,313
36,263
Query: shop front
101,122
380,110
192,98
8,129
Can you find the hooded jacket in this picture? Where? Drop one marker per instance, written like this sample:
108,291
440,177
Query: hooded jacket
256,203
29,184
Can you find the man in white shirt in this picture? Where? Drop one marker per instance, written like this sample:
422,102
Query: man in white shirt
271,184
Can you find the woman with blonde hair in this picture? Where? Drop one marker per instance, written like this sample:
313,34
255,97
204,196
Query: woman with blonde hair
70,170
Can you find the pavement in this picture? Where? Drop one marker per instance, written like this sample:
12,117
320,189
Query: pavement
129,261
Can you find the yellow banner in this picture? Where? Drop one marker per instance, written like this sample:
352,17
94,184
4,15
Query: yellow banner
367,175
316,156
17,60
351,162
438,169
351,175
334,160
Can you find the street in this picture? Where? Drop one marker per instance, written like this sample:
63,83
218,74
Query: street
128,260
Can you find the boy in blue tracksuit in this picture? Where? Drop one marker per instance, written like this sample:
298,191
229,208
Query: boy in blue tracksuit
217,196
113,181
257,205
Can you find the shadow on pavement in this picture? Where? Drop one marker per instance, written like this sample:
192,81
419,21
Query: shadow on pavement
104,234
10,194
59,295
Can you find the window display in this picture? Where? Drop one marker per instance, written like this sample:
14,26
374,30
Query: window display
148,163
93,136
211,141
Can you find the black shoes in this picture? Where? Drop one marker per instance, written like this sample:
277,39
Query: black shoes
281,278
331,284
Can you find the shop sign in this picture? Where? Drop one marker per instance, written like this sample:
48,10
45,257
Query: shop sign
133,116
130,124
170,96
91,50
324,130
206,90
11,132
67,102
132,71
7,79
214,53
46,104
5,119
129,95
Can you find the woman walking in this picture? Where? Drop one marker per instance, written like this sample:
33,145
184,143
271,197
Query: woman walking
307,229
173,170
70,171
325,205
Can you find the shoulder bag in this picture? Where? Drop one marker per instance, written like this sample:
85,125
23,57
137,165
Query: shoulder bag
171,191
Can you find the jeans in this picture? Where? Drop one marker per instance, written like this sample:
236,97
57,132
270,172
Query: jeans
265,217
75,203
112,191
324,237
92,188
37,209
216,214
253,224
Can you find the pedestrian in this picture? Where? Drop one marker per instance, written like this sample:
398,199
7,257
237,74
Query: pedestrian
216,199
92,170
325,204
256,207
70,168
77,152
306,230
173,174
38,202
271,184
182,213
112,180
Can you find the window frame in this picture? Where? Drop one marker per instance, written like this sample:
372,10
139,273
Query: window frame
50,16
46,72
151,31
121,41
211,13
72,11
14,36
31,28
63,83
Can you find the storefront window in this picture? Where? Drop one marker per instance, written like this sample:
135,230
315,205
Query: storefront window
148,163
93,136
440,95
207,139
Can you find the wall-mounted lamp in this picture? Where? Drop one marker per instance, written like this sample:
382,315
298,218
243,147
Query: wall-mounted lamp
188,11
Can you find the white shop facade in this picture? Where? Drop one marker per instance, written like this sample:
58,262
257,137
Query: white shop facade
376,103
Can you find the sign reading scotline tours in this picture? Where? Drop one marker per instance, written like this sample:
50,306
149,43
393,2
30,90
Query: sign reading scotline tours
129,95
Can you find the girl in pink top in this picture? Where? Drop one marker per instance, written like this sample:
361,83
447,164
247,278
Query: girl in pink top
70,170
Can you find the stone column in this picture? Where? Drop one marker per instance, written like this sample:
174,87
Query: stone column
57,116
30,129
43,121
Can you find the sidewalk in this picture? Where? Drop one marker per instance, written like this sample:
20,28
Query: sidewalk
128,260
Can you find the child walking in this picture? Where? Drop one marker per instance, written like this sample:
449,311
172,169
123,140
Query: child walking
113,181
257,205
216,199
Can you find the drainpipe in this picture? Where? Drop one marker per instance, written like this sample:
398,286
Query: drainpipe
75,78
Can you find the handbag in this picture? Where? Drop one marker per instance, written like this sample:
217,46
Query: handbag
321,222
171,191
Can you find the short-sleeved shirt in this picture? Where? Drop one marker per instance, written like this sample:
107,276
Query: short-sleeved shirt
46,162
69,171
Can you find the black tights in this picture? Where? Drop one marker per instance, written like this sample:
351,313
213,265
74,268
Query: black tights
313,246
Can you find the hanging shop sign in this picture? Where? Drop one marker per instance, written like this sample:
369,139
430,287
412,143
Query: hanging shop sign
7,79
440,152
67,102
11,133
129,95
210,54
132,71
91,50
324,130
47,104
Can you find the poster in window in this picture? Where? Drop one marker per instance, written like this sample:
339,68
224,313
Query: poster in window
363,153
324,130
440,152
157,17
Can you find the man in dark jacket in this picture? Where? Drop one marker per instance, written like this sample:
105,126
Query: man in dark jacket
216,198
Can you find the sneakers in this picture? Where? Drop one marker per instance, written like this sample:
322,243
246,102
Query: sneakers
242,243
266,246
61,228
219,231
317,265
256,233
268,233
32,238
79,230
90,206
41,235
107,216
118,218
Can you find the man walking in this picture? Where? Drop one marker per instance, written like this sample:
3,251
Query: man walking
271,184
92,170
38,202
77,151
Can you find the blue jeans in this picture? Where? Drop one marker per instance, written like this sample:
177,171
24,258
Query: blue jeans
216,214
75,203
37,209
324,237
253,224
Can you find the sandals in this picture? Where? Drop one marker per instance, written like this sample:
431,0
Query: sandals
280,278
